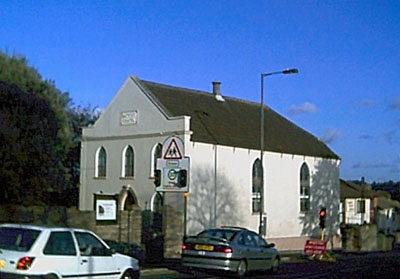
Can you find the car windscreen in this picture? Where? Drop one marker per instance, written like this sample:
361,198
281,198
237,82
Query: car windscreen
224,234
17,239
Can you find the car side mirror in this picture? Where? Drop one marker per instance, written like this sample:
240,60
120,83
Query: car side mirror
108,252
270,245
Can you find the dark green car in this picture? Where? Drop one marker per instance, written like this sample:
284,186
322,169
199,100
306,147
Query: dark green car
231,249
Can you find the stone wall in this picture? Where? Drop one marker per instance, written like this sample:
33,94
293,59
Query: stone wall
72,217
117,231
173,225
366,238
49,215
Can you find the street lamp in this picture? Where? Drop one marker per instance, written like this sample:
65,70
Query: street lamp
285,72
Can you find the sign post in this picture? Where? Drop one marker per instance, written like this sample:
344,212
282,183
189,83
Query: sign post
174,168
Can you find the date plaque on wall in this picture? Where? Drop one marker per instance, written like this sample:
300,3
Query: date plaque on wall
129,118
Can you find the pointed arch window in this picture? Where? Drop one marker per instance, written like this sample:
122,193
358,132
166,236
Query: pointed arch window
157,153
128,159
256,187
101,162
157,203
304,188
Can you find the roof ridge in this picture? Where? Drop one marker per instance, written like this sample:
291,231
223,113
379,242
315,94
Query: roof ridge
178,87
203,92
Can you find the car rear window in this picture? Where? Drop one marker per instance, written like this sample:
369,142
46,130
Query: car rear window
225,234
17,239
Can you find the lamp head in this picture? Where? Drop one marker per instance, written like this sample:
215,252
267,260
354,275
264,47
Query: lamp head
290,71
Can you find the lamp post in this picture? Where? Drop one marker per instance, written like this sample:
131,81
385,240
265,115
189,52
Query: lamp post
285,72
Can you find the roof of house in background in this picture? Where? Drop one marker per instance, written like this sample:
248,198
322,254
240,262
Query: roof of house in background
235,122
386,203
350,190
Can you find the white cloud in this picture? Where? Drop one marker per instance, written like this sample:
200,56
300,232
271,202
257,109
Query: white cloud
363,165
331,135
305,108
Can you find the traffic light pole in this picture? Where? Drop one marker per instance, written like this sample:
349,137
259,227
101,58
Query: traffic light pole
185,195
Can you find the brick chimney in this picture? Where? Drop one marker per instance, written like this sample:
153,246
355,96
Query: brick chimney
217,91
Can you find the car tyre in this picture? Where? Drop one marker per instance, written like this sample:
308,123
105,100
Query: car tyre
128,275
241,269
275,266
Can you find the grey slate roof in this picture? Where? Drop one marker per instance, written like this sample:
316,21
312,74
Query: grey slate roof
235,122
350,190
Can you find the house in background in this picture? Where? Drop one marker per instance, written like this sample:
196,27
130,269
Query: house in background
356,203
387,214
221,135
362,205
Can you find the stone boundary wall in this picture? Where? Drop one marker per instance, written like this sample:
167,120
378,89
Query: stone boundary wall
366,238
118,231
173,229
72,217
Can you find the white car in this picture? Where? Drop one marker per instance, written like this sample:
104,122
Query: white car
29,251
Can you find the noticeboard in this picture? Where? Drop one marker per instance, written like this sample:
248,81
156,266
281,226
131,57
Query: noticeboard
106,210
105,207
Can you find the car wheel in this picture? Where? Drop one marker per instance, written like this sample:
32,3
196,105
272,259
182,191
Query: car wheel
241,269
275,266
128,275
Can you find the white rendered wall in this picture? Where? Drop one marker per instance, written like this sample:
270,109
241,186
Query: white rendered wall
282,191
352,217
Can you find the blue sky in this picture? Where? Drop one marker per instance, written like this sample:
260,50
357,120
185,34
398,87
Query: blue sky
347,92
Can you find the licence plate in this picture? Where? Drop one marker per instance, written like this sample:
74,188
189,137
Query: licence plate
2,264
204,247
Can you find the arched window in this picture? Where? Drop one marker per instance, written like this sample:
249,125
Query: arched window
256,187
157,153
101,162
304,188
128,161
157,203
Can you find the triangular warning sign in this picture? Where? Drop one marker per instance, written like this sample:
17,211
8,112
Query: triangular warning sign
173,151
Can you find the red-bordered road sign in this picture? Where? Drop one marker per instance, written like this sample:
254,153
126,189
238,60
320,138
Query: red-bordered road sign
314,247
173,149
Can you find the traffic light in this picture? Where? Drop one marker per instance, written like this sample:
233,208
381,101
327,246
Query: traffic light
157,178
322,216
182,178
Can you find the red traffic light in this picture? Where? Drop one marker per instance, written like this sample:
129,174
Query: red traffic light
322,216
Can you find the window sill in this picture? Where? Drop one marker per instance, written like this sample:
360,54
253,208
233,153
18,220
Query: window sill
127,178
100,178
